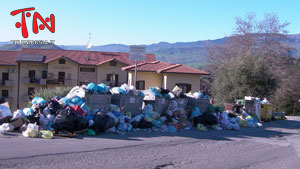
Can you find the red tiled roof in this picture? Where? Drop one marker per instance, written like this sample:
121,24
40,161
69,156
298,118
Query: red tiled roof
8,57
84,57
163,67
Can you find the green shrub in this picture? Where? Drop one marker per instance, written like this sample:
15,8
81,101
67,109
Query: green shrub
47,94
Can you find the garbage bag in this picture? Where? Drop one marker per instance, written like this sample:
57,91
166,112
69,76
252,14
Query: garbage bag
205,119
155,91
102,88
18,114
143,124
43,121
6,127
118,90
85,108
77,109
201,127
81,123
35,118
5,111
38,100
196,112
28,111
76,101
172,128
46,134
103,122
65,120
53,106
56,98
125,87
92,88
31,131
177,90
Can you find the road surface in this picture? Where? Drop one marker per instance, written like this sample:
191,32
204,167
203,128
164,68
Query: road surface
276,145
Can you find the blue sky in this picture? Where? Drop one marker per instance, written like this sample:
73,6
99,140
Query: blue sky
141,21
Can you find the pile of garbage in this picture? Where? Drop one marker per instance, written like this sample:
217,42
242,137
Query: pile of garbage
71,114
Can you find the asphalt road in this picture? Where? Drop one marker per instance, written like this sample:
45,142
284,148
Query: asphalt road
276,145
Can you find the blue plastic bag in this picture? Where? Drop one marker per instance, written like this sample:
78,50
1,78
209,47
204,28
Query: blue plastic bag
102,88
28,112
92,87
39,100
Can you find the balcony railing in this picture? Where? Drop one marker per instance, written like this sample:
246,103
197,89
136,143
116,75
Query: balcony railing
66,82
34,80
6,83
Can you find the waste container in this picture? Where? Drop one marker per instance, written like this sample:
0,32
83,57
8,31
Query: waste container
99,101
182,102
160,104
132,104
266,112
202,104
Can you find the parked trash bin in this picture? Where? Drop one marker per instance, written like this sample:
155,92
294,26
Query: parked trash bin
266,112
131,104
160,104
182,102
203,104
99,101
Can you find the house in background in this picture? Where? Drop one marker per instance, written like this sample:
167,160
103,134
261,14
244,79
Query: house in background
47,68
166,75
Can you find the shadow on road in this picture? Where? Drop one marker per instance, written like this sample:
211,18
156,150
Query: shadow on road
266,132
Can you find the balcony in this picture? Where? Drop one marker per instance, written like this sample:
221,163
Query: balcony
6,83
34,80
66,82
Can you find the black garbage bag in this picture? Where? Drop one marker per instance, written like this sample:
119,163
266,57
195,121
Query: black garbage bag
81,123
232,115
103,122
65,120
53,106
35,118
144,124
205,119
164,91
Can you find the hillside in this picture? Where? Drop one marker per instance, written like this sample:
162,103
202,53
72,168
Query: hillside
190,53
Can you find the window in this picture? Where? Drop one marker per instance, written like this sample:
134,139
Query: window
5,76
185,87
112,63
61,77
44,74
113,79
87,69
62,61
140,85
30,92
4,93
31,74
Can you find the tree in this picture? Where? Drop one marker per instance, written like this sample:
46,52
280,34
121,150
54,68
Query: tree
244,76
252,61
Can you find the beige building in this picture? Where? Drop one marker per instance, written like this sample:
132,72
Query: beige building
42,68
23,72
166,75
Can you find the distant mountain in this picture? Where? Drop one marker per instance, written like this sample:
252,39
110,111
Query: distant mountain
10,46
190,53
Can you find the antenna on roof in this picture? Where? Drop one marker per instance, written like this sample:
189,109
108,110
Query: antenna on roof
89,46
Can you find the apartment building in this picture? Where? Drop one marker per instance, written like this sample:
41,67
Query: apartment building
27,70
23,72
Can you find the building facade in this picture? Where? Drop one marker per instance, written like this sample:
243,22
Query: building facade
23,72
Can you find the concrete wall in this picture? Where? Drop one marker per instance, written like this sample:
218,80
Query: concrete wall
173,78
12,90
104,69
